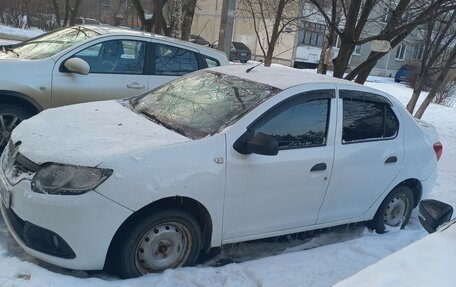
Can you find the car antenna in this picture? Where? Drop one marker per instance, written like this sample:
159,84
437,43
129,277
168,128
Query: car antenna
199,35
251,68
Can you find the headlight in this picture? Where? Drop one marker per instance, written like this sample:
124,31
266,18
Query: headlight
54,178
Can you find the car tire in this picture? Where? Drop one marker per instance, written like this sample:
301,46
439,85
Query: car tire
10,116
394,212
165,239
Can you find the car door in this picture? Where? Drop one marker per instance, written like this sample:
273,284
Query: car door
118,69
170,62
269,194
369,154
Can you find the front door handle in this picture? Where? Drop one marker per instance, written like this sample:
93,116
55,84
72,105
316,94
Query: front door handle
136,86
318,167
391,159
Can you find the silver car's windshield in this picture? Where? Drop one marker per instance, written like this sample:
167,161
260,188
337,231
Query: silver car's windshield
51,43
202,103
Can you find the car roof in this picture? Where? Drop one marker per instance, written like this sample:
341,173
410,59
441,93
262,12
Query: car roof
279,76
122,31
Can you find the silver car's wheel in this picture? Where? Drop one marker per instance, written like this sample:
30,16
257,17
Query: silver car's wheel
159,241
10,117
166,245
395,210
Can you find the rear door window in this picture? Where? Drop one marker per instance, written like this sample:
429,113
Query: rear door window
366,117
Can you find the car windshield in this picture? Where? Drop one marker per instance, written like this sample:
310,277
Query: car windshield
51,43
202,103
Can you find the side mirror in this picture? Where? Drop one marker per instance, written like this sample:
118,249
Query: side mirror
433,213
263,144
77,65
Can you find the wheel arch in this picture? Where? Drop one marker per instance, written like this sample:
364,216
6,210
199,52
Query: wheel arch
416,187
13,97
187,204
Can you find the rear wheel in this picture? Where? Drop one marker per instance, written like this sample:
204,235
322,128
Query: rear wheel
10,117
395,210
163,240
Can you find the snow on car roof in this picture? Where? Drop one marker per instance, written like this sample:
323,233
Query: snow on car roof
278,76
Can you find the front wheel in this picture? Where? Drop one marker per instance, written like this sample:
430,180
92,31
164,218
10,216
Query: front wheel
395,210
10,116
165,239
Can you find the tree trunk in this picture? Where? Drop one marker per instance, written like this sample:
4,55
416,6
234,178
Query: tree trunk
275,34
415,95
342,59
147,24
188,13
55,4
158,17
322,66
176,27
67,13
75,12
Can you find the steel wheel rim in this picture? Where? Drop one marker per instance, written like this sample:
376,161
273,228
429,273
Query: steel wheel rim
7,123
166,245
396,211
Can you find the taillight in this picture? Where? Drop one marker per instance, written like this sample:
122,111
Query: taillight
438,148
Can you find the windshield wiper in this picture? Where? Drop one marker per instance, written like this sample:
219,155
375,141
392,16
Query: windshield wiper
162,123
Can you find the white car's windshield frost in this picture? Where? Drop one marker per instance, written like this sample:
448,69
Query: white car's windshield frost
203,103
52,43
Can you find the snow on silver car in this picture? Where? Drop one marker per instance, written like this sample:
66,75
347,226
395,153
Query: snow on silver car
219,156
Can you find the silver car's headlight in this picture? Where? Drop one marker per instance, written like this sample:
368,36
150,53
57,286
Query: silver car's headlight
55,178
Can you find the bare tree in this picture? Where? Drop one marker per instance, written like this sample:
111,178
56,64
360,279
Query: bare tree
450,63
188,11
71,12
438,38
358,13
330,35
180,20
269,19
176,19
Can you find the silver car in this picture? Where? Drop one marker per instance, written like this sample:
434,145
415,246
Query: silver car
90,63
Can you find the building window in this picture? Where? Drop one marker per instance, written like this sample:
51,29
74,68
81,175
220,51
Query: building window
400,52
357,50
418,51
314,34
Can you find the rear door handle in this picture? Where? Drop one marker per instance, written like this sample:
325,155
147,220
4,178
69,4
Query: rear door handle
391,159
318,167
136,86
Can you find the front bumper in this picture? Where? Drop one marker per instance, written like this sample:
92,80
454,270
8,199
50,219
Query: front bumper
84,223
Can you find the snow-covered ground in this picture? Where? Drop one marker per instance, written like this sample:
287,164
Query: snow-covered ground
312,259
21,33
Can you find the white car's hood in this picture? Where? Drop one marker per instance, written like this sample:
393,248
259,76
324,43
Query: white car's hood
87,134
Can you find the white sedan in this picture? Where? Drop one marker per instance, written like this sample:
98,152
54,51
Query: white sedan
219,156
